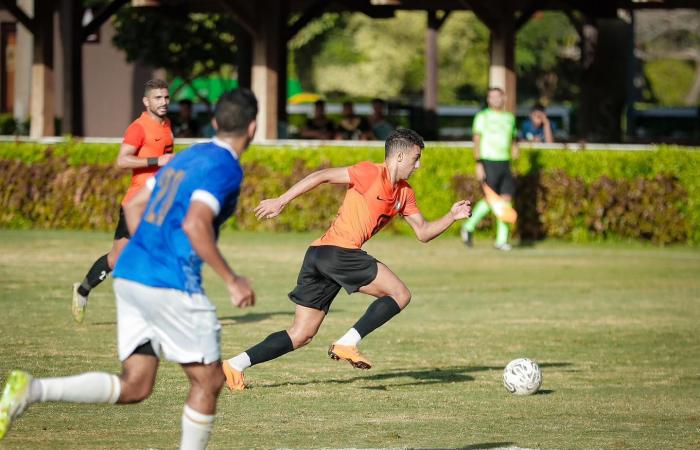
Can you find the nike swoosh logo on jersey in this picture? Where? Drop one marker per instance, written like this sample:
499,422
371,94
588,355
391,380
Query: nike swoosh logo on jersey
158,139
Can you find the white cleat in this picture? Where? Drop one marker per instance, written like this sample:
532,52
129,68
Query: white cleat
79,305
503,247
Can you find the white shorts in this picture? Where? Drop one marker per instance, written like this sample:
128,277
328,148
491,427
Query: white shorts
181,327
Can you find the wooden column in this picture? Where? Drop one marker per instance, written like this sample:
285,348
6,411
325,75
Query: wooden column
23,65
430,126
42,100
266,69
603,78
282,61
71,37
502,51
244,60
430,93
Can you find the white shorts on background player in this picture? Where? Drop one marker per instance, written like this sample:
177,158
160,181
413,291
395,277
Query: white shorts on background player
181,327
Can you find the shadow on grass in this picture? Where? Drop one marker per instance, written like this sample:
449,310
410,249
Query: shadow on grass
527,243
485,445
232,320
252,317
545,392
423,376
554,364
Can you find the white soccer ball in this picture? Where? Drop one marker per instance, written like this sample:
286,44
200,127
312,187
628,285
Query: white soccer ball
522,376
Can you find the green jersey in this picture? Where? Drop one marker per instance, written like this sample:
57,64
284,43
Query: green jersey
497,130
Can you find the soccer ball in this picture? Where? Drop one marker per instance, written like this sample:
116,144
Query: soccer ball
522,376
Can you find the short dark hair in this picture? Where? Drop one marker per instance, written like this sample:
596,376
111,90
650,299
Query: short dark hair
378,100
185,101
154,84
320,103
538,107
402,139
235,110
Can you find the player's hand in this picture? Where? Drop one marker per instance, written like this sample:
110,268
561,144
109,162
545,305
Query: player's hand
480,173
269,208
461,210
242,294
165,159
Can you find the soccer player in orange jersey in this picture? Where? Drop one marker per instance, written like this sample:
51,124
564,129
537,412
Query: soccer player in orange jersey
376,193
147,146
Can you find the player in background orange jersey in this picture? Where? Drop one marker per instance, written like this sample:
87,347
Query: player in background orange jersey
376,193
147,146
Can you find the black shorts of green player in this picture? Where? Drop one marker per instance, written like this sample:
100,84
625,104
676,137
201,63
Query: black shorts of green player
499,177
326,269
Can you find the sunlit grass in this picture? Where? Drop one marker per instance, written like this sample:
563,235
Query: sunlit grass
614,329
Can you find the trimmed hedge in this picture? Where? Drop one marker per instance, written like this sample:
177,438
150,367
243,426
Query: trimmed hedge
579,196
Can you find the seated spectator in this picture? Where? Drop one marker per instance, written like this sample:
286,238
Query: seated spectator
185,126
352,126
319,126
537,128
381,127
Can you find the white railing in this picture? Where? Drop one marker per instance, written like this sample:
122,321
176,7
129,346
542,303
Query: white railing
301,143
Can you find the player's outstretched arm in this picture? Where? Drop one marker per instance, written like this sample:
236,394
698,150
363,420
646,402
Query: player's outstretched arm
272,207
198,226
426,231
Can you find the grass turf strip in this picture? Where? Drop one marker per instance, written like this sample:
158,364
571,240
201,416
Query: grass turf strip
612,326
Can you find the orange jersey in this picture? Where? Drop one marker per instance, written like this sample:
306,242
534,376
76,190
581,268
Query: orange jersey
370,203
151,139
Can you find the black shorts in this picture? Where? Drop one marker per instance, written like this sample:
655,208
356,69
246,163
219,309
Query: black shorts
326,269
499,177
122,231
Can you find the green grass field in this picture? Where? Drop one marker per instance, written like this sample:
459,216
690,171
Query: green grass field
614,328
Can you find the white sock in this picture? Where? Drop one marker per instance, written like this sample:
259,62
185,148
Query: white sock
90,387
196,428
240,362
352,337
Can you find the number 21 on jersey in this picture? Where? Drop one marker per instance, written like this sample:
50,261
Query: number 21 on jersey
168,184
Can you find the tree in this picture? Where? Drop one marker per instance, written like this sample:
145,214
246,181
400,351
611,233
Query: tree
547,58
356,56
671,36
187,45
363,57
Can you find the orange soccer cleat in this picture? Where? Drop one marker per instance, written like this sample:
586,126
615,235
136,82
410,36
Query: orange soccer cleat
234,378
349,353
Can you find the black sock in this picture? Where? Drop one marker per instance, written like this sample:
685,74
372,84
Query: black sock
274,346
377,314
96,275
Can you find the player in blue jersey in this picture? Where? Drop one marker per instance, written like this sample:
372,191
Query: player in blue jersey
161,307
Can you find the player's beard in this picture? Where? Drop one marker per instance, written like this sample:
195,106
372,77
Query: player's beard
156,112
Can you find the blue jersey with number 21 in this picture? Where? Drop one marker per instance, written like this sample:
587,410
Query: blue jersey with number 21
160,254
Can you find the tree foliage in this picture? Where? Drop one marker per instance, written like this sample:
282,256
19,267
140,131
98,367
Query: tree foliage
356,56
669,42
187,45
547,58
